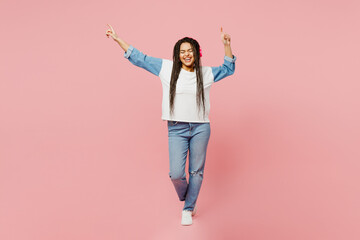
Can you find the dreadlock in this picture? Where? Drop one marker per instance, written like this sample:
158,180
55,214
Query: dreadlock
177,64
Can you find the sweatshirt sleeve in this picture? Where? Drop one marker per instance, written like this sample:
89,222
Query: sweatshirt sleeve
227,69
139,59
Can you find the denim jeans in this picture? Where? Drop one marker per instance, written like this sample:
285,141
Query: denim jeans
184,138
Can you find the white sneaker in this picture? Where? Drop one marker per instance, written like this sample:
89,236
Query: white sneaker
194,211
186,218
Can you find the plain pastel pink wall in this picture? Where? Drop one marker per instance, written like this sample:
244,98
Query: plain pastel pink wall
83,150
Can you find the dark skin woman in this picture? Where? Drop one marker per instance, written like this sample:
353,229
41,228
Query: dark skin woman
186,105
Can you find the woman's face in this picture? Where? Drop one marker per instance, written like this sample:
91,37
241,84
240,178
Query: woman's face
187,56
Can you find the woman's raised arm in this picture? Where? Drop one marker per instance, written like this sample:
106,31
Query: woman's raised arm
136,57
228,68
111,32
225,38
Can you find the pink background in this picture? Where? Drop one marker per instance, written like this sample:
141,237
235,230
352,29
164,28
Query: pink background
83,149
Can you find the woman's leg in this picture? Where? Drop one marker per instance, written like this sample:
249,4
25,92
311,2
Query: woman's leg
200,135
178,148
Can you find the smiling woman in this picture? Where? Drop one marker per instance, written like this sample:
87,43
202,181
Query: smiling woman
187,56
185,106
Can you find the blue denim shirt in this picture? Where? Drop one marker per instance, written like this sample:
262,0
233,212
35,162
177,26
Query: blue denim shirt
153,64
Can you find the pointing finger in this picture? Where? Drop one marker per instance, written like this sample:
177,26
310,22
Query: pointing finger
110,27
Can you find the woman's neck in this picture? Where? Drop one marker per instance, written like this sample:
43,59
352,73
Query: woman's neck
189,69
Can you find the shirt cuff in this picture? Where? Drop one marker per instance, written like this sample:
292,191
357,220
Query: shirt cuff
128,52
230,59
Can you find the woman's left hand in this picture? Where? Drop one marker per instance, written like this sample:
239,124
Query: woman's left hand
225,38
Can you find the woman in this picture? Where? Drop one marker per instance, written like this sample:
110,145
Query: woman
185,107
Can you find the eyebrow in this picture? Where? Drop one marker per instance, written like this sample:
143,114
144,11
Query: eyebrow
186,50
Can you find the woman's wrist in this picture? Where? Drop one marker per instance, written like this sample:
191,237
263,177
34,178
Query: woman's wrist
122,44
228,51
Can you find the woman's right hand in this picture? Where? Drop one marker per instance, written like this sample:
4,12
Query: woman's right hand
225,38
111,32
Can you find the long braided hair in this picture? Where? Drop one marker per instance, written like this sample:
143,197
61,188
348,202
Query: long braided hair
177,64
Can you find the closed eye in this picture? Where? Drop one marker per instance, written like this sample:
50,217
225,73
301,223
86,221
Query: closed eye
183,51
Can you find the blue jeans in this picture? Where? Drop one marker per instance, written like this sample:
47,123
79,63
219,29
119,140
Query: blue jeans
187,137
